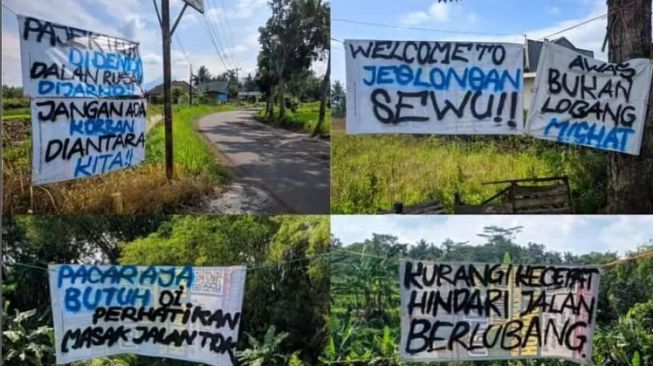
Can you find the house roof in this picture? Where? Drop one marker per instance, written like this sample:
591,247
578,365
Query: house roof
250,94
534,48
214,86
158,90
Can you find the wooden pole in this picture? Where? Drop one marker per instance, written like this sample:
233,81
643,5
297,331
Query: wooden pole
190,86
167,92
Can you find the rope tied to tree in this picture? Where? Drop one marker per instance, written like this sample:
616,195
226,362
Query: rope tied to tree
617,13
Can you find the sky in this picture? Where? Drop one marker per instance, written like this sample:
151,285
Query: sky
578,234
235,21
512,19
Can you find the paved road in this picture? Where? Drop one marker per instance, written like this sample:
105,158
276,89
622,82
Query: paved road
293,167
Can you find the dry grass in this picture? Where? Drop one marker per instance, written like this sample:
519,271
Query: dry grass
371,172
138,190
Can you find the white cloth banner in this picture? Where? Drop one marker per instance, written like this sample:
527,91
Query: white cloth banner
187,313
64,61
79,137
421,87
478,312
582,101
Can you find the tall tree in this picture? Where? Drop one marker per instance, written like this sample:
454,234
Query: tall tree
320,40
202,75
630,178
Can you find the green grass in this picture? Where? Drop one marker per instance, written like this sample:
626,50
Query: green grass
15,114
304,119
370,173
189,149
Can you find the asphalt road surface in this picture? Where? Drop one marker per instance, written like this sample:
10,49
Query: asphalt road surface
292,167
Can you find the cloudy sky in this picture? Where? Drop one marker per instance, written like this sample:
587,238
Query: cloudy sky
495,20
578,234
235,22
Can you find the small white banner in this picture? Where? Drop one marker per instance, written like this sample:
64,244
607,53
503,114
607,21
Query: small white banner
582,101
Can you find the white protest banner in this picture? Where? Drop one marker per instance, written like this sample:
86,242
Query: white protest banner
64,61
187,313
421,87
466,311
582,101
79,137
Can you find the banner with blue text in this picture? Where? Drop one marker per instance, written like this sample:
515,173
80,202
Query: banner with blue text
582,101
181,312
79,137
477,312
65,61
425,87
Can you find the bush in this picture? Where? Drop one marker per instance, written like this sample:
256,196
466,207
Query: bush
14,103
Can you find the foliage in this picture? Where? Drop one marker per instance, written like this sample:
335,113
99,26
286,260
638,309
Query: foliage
203,75
414,169
338,99
304,119
24,341
266,352
293,295
294,36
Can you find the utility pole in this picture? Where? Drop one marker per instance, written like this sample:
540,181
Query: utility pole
190,86
166,38
167,92
237,81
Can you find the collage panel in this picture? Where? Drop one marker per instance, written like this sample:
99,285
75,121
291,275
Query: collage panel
148,290
485,107
491,290
179,107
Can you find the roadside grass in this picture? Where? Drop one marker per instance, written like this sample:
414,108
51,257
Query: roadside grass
15,114
137,190
370,173
304,119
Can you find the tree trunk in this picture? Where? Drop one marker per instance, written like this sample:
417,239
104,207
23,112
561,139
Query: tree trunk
282,97
325,95
269,106
630,178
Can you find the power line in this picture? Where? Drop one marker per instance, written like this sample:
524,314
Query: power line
213,41
575,26
183,50
230,34
8,8
420,28
249,267
217,35
216,27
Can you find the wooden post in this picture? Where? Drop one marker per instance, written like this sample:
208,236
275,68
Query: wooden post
118,207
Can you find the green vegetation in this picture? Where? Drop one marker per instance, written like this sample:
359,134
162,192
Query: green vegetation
296,34
365,315
141,189
190,151
304,118
15,114
286,292
370,173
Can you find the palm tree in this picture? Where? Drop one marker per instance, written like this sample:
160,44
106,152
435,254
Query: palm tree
203,75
